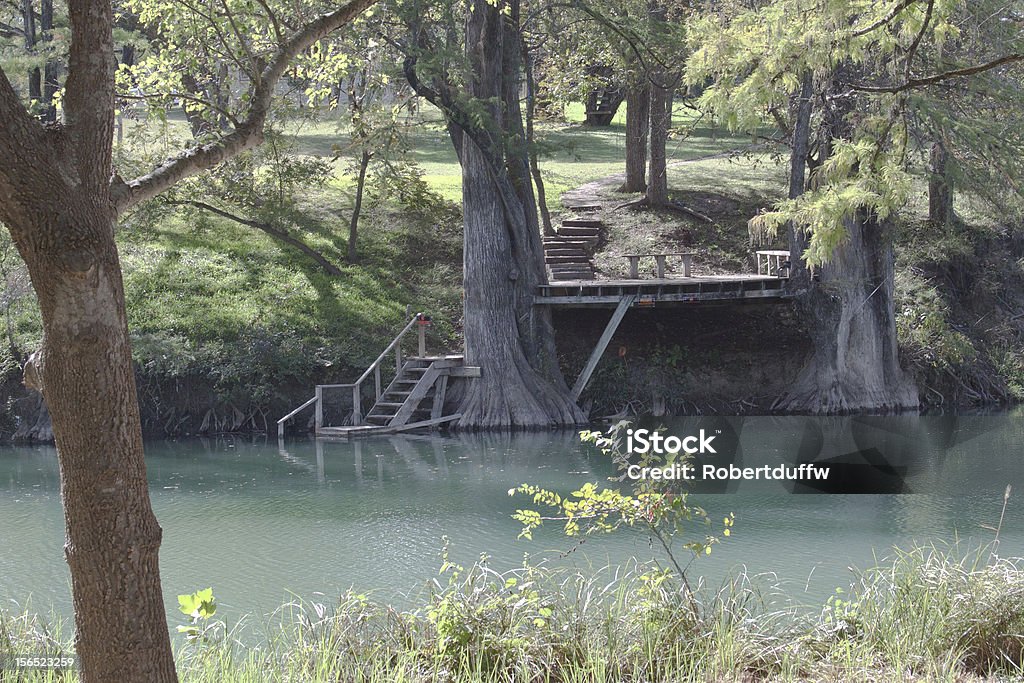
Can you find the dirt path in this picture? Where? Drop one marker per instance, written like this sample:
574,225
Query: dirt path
595,193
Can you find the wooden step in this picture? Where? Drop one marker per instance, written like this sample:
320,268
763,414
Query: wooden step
569,231
557,243
379,419
582,223
565,251
581,259
384,404
567,277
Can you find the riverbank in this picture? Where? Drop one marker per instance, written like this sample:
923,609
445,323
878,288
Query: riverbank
232,328
925,614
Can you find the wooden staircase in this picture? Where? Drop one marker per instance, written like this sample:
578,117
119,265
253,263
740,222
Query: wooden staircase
567,254
416,394
413,399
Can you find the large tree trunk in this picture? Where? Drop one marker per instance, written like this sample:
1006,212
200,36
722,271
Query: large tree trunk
851,321
505,334
638,122
84,370
940,187
661,121
848,308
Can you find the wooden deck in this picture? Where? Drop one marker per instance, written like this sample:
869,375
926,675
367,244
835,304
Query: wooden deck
655,292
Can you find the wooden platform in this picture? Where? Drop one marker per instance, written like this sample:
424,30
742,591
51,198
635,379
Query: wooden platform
352,431
657,292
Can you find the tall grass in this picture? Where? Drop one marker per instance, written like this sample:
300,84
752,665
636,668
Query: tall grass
928,614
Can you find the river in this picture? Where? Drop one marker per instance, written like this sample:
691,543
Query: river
263,523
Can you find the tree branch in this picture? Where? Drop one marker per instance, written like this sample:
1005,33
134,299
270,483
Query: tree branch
249,132
886,19
276,233
89,90
20,135
937,78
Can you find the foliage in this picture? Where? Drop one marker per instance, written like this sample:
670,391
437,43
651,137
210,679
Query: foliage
926,613
199,607
657,506
865,61
923,328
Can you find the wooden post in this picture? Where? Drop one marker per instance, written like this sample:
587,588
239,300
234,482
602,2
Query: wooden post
660,260
422,335
376,381
398,359
357,406
318,410
602,344
440,389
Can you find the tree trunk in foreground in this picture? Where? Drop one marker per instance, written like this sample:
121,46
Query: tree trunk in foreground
851,320
505,334
638,123
60,201
84,370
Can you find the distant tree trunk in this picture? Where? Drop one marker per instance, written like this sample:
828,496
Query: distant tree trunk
850,315
35,78
51,69
531,111
638,122
798,273
940,187
503,261
353,226
661,121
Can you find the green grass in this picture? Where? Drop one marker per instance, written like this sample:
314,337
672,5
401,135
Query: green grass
927,614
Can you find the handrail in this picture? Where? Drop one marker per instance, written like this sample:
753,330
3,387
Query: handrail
280,423
297,410
387,350
356,386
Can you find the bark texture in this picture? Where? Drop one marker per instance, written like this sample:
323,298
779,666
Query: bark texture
505,334
638,122
661,121
851,321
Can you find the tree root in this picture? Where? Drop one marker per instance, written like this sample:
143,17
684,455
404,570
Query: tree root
672,206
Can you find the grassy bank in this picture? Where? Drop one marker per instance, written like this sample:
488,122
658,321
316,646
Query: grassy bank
922,615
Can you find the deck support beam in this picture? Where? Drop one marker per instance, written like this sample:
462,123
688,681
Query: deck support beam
602,344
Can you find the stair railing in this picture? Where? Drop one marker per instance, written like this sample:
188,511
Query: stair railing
357,386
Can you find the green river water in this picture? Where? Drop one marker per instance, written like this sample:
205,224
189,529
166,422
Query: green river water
263,523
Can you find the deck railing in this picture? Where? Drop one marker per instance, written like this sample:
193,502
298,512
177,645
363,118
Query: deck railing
357,386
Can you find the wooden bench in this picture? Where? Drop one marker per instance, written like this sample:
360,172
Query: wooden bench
772,260
634,263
